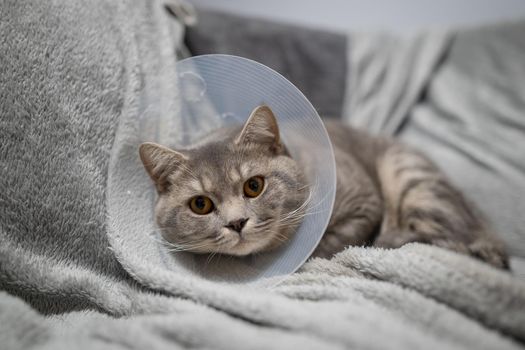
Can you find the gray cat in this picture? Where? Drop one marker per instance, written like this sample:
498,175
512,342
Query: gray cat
239,192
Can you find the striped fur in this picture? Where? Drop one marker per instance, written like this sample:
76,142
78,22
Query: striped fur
388,194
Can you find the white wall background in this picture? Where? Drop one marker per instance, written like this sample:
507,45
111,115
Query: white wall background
402,16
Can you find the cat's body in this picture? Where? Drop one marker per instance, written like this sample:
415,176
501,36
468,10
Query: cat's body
239,192
388,194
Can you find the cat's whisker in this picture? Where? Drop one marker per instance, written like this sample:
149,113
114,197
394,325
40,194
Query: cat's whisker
189,248
297,212
167,229
299,217
276,234
300,208
263,224
183,246
321,201
291,223
162,240
281,238
313,206
210,257
178,246
302,214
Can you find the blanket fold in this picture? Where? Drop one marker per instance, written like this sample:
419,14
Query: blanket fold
76,80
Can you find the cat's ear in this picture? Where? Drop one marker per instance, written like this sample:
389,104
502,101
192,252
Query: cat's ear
160,162
261,128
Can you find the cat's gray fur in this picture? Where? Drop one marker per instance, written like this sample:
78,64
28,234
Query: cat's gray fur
218,167
387,195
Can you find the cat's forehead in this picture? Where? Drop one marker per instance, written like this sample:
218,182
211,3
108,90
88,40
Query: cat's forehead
229,159
216,167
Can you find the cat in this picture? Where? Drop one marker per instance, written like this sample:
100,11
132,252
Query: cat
239,192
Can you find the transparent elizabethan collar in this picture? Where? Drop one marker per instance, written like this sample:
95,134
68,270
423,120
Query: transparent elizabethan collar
221,90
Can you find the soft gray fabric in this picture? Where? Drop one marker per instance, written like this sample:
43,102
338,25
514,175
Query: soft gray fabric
387,75
75,79
66,72
313,60
460,98
472,122
411,298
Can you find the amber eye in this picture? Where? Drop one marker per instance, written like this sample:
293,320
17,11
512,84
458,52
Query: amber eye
253,186
201,205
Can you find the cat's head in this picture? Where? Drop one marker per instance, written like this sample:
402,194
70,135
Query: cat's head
238,192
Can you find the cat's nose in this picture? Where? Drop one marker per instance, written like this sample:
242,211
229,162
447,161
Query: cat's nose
237,225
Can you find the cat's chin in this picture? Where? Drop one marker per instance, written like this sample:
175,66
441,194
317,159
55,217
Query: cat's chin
248,245
244,248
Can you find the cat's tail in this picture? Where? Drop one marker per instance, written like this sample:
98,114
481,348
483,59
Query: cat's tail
422,206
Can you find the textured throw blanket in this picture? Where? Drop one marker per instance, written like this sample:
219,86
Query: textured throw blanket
75,80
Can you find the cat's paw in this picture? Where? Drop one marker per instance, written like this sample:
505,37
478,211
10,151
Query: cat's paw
490,252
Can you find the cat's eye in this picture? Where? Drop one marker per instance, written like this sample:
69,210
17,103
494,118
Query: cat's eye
253,186
201,205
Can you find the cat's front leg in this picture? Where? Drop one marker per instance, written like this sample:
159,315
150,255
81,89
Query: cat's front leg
355,231
358,209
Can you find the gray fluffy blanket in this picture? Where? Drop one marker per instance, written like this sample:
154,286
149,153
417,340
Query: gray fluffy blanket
75,78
